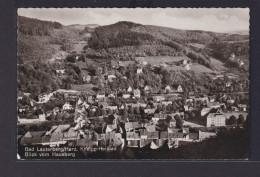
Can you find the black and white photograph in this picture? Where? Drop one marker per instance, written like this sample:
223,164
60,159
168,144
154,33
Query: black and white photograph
133,83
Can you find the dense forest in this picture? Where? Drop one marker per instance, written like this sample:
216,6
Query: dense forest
31,26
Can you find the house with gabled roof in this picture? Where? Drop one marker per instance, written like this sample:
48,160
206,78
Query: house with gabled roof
132,139
70,134
153,135
177,88
131,126
205,135
145,142
154,144
32,138
129,89
57,134
111,128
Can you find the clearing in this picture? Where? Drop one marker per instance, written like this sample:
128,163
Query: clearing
169,63
88,88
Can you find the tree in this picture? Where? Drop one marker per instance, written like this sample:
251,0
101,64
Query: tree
179,123
232,120
186,117
192,115
241,119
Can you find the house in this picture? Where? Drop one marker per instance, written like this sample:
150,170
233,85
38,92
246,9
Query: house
242,107
112,107
185,130
132,136
111,128
103,105
188,108
114,139
215,105
158,98
129,89
212,99
234,108
111,77
149,111
86,78
174,138
194,136
37,119
146,88
167,88
159,116
187,67
70,134
205,135
44,98
60,71
137,93
228,84
216,119
149,127
203,99
100,96
139,71
154,135
177,88
131,126
57,134
173,130
67,106
132,143
111,95
154,144
132,139
32,138
164,135
145,142
230,101
172,123
126,95
166,103
205,111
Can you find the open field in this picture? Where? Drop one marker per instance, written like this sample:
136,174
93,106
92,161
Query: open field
199,46
169,63
219,65
88,88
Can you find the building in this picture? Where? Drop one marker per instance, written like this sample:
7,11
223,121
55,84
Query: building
139,71
205,111
205,135
137,93
67,106
40,118
216,119
126,95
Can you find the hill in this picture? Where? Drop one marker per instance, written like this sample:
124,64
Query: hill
42,43
127,40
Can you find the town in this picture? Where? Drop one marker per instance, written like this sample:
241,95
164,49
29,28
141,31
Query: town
133,115
128,90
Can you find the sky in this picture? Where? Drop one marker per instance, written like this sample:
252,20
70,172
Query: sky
208,19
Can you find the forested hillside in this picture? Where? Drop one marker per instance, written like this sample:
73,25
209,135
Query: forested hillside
40,43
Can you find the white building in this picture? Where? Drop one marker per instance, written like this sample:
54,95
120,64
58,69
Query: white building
216,119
